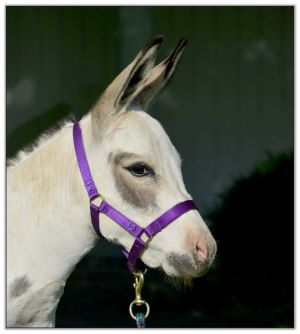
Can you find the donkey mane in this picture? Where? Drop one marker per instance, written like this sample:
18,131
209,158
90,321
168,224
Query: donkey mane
42,140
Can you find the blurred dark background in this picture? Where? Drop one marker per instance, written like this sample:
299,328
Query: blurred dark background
229,110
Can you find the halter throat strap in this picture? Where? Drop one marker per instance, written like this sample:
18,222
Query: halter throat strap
142,235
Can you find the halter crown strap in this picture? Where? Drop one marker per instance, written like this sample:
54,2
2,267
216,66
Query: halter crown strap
83,163
130,226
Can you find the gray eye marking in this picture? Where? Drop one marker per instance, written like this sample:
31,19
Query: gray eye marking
137,194
19,286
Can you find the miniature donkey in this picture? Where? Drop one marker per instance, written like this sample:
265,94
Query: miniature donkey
139,171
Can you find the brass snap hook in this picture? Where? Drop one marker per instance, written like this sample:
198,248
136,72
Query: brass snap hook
138,285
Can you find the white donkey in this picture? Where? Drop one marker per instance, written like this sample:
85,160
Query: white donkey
138,170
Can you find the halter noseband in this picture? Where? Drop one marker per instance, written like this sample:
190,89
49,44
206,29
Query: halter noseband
130,226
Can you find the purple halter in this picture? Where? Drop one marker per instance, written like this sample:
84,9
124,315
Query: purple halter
130,226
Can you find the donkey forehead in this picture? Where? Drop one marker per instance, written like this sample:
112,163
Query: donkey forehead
139,133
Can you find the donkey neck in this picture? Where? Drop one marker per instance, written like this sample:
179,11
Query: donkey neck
55,233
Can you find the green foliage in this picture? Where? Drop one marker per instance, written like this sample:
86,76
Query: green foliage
254,227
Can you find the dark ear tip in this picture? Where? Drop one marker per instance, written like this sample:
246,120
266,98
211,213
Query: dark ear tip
155,41
171,59
184,41
158,39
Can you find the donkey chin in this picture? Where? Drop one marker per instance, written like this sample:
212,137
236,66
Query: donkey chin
186,265
181,269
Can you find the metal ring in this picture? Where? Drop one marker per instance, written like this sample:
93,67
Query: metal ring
102,197
140,302
98,196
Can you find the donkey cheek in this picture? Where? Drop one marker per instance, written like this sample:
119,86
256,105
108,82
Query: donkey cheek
138,196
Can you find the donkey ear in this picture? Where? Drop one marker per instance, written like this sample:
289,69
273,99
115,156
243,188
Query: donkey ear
159,76
118,94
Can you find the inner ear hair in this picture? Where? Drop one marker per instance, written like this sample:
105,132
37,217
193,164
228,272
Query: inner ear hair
144,62
136,79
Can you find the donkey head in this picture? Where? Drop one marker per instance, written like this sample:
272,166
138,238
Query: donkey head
139,170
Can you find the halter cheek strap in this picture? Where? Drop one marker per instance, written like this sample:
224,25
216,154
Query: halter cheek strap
142,235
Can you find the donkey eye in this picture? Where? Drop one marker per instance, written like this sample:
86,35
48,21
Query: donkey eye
140,169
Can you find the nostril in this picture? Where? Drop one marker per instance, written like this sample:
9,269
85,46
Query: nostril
201,250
